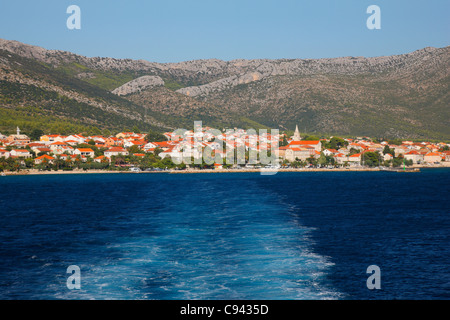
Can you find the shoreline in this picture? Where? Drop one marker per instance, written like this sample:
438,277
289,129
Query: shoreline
188,171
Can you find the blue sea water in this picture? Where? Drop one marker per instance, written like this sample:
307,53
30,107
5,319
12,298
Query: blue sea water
226,235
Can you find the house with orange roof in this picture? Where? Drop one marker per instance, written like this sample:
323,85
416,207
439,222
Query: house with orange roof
98,138
18,139
122,135
19,153
172,136
400,150
86,152
44,158
72,143
432,157
172,153
149,146
36,145
164,144
316,144
415,156
340,158
330,152
130,143
49,137
356,146
63,149
355,158
113,141
301,153
57,144
75,137
101,159
116,151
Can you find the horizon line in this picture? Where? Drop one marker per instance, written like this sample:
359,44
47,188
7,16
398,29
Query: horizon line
224,60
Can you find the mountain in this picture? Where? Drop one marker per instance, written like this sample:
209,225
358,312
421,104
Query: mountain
403,96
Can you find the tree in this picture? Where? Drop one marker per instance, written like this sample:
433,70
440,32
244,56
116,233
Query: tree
95,131
29,163
337,143
155,136
136,129
91,142
310,137
322,161
36,134
353,151
284,142
387,150
134,149
157,151
396,142
106,133
371,159
99,152
312,160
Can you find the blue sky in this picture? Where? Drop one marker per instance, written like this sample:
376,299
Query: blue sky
171,31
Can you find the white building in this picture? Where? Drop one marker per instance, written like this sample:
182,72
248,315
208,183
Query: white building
20,153
116,151
87,152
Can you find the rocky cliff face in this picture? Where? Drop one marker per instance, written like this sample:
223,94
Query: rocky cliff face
139,84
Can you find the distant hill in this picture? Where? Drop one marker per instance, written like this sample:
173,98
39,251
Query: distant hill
403,96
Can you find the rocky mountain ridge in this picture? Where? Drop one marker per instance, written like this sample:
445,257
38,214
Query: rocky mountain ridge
210,70
403,95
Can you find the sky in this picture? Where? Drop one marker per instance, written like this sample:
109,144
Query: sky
173,31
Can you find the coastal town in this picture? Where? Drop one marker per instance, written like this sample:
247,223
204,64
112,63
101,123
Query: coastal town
132,151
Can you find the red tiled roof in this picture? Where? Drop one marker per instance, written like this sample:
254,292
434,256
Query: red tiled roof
304,142
45,156
116,149
163,144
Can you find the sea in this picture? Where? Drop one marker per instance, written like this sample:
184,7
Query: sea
231,236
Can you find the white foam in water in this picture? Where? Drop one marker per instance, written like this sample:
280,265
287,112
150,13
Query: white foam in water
245,250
